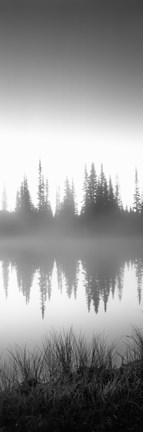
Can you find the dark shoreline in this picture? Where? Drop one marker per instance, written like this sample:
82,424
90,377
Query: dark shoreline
42,391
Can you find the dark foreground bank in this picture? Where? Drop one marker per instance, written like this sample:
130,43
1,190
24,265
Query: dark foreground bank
69,386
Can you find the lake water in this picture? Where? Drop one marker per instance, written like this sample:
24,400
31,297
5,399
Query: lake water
93,286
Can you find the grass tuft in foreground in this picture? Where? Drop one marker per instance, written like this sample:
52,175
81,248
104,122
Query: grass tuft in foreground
72,386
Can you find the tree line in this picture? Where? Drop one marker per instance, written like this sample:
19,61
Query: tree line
101,201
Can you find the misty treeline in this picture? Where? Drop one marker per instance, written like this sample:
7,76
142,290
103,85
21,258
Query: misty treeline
101,210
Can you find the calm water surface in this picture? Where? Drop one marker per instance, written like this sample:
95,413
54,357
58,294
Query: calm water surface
95,287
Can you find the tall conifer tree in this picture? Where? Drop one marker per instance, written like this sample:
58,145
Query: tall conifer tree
85,205
137,201
111,196
41,189
92,187
58,203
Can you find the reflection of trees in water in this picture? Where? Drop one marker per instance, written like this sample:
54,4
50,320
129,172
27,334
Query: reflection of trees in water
45,284
138,264
68,268
92,291
25,275
25,269
59,276
103,272
101,279
120,280
5,273
101,276
26,264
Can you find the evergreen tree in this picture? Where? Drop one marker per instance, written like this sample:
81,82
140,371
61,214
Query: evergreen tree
47,193
98,197
41,189
58,203
27,203
18,201
111,196
141,203
68,204
117,195
92,188
102,181
73,203
67,192
46,204
137,203
105,195
23,198
102,192
86,199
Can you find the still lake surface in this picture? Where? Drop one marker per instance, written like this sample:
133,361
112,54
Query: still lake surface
94,286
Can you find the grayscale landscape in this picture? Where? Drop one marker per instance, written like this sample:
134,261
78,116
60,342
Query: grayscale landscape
71,215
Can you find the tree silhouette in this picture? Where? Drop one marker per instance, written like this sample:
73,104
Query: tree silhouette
5,269
41,189
23,198
86,200
117,195
105,196
111,196
18,201
47,205
101,208
73,202
68,204
102,192
98,195
44,206
137,203
92,189
58,203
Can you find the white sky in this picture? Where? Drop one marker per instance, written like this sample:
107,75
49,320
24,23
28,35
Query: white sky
70,93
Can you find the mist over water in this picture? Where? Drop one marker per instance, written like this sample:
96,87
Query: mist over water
95,287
